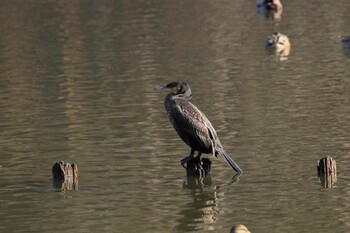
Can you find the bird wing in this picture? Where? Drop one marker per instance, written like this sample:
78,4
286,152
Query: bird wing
192,125
196,130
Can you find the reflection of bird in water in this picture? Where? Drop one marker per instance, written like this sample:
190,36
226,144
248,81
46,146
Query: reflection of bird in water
239,228
279,43
192,126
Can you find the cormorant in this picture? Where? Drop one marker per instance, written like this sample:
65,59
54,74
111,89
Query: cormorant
192,126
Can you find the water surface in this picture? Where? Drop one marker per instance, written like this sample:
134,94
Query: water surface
77,84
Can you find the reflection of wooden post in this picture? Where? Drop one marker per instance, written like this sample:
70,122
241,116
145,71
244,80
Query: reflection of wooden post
198,168
65,176
327,171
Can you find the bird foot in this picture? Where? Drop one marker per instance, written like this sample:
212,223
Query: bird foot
193,161
186,160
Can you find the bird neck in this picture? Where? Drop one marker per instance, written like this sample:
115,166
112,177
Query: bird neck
185,96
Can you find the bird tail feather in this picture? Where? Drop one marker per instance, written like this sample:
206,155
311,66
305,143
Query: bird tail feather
230,162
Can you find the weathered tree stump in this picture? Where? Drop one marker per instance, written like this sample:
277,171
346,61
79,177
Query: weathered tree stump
327,171
65,176
199,168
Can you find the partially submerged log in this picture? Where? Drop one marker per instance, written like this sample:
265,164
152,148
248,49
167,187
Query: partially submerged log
327,171
199,168
65,176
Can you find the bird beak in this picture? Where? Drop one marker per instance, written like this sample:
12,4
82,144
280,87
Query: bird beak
170,90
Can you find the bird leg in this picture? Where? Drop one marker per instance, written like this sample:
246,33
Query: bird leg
187,158
196,161
199,161
199,155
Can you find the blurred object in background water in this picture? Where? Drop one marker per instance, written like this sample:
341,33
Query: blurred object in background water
279,45
346,46
239,228
270,9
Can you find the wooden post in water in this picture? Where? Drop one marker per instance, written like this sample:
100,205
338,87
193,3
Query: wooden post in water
65,176
199,168
327,171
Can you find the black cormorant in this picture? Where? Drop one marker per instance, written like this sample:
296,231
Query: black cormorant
192,125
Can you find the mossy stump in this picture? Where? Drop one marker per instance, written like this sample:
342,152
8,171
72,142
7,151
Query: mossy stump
198,168
327,171
65,176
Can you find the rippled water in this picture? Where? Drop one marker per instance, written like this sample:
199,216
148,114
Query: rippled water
77,84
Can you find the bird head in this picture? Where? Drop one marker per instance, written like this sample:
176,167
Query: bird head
178,88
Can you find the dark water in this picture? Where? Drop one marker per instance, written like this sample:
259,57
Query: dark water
77,84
